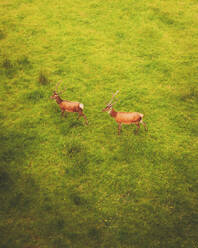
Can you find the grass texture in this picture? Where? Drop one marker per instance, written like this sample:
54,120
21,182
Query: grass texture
67,185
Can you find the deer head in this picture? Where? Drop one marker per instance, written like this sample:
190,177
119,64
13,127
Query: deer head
108,107
55,94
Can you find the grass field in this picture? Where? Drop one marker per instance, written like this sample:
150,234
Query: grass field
67,185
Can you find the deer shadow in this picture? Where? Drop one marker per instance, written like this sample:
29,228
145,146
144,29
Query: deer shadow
66,123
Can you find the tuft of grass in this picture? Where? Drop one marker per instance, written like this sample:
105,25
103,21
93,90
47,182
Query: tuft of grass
34,96
7,64
5,179
190,93
9,67
43,79
77,199
2,35
24,62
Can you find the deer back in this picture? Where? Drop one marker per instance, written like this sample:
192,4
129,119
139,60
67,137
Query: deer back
70,106
128,117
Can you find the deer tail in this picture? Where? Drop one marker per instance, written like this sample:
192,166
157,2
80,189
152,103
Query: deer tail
81,105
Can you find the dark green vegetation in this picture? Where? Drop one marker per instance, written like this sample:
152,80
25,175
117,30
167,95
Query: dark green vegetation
63,184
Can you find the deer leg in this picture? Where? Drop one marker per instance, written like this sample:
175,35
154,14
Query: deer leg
138,126
144,124
86,121
119,128
145,127
62,110
81,114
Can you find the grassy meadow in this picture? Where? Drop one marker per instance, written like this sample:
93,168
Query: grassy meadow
67,185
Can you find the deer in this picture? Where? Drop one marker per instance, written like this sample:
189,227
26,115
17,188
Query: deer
124,117
68,106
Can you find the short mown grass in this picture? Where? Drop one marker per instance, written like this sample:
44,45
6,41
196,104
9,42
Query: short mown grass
65,184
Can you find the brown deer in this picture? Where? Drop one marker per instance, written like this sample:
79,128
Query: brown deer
124,117
67,106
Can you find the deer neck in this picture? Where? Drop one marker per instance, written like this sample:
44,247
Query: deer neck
112,113
58,99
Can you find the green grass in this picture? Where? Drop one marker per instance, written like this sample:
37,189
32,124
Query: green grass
64,184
